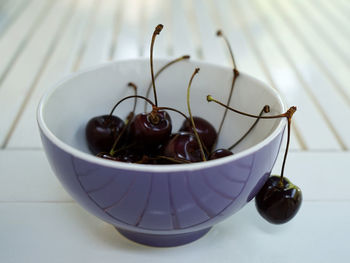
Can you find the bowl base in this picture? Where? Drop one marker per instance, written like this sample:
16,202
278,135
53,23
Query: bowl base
163,240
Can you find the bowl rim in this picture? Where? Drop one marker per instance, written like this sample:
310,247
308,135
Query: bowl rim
147,167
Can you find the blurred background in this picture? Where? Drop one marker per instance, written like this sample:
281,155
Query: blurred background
299,47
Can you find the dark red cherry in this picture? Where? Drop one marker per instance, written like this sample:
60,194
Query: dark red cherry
278,201
150,129
183,146
101,132
220,153
206,131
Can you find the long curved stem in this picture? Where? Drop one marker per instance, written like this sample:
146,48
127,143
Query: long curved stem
191,117
131,84
288,115
161,70
287,148
210,99
129,97
235,76
172,109
266,109
156,32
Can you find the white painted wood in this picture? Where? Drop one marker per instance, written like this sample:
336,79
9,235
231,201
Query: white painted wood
336,107
344,7
320,175
154,14
14,89
311,124
334,65
16,37
25,176
329,13
98,46
181,35
129,36
323,26
337,45
26,132
66,233
213,50
9,12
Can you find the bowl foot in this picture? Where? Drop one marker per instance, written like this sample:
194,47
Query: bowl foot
163,240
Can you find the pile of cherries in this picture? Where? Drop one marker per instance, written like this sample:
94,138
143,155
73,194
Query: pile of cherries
147,138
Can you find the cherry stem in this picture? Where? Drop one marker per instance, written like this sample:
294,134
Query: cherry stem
289,119
266,109
290,111
220,34
130,84
191,117
172,109
235,76
129,97
127,124
156,32
161,70
288,115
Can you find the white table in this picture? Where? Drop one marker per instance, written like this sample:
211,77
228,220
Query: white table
299,47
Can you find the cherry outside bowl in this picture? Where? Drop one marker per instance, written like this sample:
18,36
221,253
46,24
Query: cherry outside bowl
160,205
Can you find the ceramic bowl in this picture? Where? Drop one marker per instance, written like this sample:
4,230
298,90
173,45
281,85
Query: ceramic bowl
160,205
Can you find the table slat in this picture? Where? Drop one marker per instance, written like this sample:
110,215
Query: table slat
310,74
9,12
182,37
98,44
154,14
26,134
128,39
312,124
334,65
19,34
15,89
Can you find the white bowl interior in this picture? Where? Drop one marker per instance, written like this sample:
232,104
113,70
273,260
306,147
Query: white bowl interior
69,105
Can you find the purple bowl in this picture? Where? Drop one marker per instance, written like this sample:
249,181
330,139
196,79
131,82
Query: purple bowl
160,205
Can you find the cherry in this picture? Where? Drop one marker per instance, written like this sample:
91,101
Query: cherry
101,132
278,200
155,127
206,131
183,146
151,128
104,131
219,153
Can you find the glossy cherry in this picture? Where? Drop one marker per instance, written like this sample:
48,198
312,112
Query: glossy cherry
278,201
183,146
151,128
206,131
101,132
219,153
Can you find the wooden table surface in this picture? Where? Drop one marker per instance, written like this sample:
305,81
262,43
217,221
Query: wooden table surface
301,48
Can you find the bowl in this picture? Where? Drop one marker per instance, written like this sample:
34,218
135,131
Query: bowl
160,205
